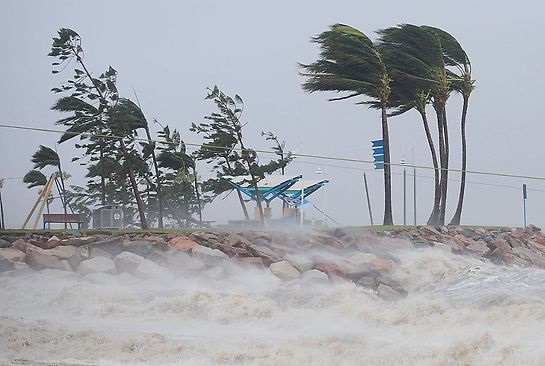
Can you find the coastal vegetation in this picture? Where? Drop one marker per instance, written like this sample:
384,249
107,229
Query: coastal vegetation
156,180
408,67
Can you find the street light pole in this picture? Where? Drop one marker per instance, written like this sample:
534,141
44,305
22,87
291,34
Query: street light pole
404,192
319,171
2,221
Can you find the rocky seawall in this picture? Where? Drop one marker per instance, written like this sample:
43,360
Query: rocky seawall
365,258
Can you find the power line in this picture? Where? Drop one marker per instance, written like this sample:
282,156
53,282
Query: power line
423,176
295,155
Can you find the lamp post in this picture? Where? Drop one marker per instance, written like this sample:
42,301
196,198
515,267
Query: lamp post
2,221
319,171
403,162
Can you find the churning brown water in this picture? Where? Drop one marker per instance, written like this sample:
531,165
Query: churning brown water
460,311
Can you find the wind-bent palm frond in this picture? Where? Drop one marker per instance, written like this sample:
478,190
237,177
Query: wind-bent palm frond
352,64
175,160
349,62
35,178
45,156
129,116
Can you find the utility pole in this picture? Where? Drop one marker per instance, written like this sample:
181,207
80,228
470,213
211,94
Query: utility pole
414,195
2,220
404,192
524,198
368,201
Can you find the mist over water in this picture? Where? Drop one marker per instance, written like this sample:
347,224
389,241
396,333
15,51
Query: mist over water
459,311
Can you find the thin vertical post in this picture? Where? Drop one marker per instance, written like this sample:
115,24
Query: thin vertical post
368,201
2,220
404,196
524,198
414,196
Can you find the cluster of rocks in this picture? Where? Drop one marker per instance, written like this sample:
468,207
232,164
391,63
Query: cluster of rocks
305,256
518,246
363,257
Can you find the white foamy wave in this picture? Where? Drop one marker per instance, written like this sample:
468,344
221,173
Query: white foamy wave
460,311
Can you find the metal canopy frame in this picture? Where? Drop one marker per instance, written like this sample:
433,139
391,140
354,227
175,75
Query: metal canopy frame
294,199
266,194
282,190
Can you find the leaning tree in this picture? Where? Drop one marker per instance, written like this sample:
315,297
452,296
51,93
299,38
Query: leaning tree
93,103
350,62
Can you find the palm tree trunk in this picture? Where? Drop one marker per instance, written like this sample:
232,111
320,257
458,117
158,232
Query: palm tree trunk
440,132
388,220
437,188
458,214
444,181
158,178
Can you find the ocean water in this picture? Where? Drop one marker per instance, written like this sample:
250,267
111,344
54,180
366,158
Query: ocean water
459,311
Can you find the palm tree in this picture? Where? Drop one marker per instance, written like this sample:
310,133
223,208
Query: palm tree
350,62
411,90
455,57
419,46
42,158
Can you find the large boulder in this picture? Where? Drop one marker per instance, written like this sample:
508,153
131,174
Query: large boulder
181,262
20,244
237,240
388,293
269,255
301,262
127,262
63,251
314,276
478,247
284,270
5,244
181,243
200,251
82,240
38,259
149,269
143,248
12,254
97,264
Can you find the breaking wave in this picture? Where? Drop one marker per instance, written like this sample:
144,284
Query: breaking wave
459,311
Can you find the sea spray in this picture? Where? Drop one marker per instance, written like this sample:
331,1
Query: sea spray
460,310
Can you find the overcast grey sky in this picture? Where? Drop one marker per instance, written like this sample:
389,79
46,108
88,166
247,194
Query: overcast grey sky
171,51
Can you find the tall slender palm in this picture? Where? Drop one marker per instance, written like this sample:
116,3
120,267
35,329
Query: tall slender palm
419,46
456,58
411,87
350,62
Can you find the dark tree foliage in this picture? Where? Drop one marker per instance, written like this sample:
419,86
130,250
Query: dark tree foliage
225,150
105,123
